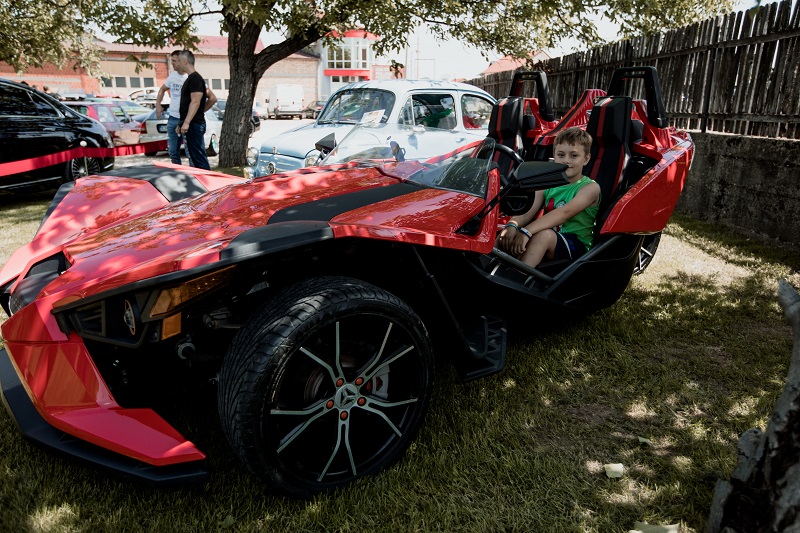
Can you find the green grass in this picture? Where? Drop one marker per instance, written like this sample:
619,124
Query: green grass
695,353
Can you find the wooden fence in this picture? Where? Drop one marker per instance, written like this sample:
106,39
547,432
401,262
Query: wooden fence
738,73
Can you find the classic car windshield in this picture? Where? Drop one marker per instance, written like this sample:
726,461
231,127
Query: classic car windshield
358,105
445,159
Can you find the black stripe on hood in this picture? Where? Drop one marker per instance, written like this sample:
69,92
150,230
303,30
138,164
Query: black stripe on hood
329,208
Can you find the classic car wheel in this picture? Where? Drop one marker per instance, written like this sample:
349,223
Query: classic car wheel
213,146
77,168
327,383
646,252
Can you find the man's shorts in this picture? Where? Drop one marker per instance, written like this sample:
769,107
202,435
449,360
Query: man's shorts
568,246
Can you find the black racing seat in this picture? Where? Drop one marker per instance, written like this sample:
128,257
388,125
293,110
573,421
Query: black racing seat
505,127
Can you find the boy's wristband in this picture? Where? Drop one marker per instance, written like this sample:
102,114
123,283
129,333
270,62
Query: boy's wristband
525,232
512,225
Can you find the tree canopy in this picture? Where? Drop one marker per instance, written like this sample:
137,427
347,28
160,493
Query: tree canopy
32,33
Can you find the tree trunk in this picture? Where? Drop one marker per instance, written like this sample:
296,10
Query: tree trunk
246,70
763,494
236,125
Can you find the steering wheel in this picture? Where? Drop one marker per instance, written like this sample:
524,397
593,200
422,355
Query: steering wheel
503,149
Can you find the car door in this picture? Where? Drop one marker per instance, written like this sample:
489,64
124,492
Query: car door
127,128
110,123
30,127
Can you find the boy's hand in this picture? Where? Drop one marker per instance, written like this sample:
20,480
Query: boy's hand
519,244
506,238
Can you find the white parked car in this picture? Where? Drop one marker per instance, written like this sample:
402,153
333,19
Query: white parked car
445,105
157,129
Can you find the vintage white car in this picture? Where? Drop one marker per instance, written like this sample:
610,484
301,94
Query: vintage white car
445,105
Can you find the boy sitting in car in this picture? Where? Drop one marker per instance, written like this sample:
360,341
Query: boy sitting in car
566,229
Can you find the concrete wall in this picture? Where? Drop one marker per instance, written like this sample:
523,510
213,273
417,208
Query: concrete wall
747,183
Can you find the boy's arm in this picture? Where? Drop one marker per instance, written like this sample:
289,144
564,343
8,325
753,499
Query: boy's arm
509,234
589,195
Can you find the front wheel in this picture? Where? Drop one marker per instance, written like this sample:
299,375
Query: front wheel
646,252
82,167
327,383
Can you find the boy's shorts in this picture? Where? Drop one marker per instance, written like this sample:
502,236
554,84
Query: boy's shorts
568,246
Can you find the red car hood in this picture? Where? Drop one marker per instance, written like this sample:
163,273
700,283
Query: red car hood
191,232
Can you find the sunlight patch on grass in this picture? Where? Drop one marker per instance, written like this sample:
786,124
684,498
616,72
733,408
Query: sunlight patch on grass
640,411
53,519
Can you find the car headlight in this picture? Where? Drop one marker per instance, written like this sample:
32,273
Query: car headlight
311,158
252,156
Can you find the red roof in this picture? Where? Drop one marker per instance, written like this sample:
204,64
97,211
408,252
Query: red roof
510,63
210,45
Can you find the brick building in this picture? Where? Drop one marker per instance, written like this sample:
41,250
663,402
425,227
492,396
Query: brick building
320,70
121,77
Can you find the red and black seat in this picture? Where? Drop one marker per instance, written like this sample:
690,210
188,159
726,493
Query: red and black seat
610,128
506,127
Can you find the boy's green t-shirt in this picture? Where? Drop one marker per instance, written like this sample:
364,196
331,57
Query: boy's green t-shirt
582,224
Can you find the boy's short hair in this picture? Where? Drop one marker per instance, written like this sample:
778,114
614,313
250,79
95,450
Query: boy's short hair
575,136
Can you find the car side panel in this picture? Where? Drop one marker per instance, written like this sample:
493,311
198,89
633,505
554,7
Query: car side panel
647,206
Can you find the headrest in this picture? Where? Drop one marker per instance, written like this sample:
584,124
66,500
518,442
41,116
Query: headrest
528,122
506,119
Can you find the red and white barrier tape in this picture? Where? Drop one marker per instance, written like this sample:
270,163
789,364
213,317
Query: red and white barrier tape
26,165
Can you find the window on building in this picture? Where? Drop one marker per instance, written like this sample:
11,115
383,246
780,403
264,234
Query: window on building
120,81
350,53
216,85
107,82
149,82
227,84
136,83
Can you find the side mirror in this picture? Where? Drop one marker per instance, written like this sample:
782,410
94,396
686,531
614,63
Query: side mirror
326,144
539,175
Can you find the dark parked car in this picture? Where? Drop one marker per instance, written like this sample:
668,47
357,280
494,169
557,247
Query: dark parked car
33,124
255,120
123,129
313,108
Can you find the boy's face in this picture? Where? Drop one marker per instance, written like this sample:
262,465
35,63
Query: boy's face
572,155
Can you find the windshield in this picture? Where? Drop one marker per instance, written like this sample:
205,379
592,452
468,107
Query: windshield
356,106
432,157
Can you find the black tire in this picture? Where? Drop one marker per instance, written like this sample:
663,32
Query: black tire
308,418
150,154
647,252
77,168
213,146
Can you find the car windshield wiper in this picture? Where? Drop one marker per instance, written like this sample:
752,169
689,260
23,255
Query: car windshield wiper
331,121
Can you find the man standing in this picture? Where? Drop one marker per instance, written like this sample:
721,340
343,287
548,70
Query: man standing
195,101
172,85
